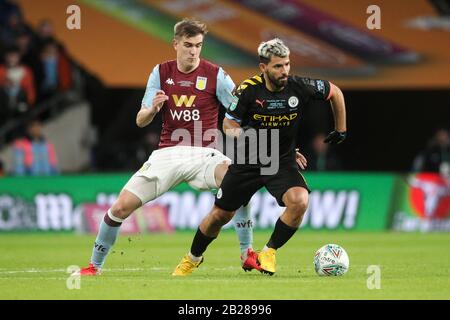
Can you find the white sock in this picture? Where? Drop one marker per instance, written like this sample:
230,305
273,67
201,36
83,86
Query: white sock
244,228
194,258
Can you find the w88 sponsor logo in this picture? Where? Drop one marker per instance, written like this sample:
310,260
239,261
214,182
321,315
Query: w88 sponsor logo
186,115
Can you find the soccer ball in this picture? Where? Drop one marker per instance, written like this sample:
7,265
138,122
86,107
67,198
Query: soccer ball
331,260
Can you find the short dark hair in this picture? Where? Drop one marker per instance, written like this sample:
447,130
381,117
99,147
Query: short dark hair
189,28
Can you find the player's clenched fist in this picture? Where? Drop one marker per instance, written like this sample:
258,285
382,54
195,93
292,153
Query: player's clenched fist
146,114
158,101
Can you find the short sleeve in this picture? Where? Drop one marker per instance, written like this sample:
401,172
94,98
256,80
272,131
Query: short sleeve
224,88
315,88
153,85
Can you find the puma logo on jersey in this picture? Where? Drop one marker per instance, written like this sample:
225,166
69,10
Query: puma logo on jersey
183,100
170,81
261,103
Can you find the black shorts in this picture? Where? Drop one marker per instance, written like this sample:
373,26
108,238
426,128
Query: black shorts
240,184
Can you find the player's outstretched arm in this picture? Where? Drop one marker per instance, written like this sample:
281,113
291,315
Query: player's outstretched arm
338,106
231,127
340,124
145,115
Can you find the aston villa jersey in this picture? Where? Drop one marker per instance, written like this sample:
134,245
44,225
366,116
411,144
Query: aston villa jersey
190,116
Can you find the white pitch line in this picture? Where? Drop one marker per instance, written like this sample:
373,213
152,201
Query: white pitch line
34,270
65,270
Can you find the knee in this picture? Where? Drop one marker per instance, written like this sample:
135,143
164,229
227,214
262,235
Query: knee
220,171
297,201
221,217
125,204
120,210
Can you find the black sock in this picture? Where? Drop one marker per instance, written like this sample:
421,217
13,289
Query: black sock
280,235
200,243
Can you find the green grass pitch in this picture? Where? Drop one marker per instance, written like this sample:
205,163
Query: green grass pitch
413,266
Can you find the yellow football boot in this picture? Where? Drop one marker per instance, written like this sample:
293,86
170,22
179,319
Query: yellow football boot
186,266
267,261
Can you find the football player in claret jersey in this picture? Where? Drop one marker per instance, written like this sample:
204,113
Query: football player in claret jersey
188,93
266,105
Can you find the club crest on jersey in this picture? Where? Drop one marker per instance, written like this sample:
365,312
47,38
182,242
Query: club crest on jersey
320,86
200,84
293,102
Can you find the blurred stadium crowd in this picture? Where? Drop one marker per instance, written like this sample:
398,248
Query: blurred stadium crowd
38,80
35,68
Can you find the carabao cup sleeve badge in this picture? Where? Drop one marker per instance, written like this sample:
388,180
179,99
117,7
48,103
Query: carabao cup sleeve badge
234,103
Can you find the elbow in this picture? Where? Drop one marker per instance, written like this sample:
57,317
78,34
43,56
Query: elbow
224,126
140,119
231,128
139,122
